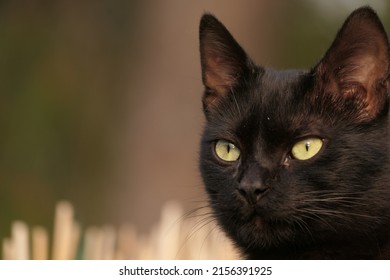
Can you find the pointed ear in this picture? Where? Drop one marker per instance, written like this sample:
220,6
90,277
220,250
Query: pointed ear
354,72
223,61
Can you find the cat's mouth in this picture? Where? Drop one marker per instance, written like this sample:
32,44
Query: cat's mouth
263,230
260,219
254,210
255,216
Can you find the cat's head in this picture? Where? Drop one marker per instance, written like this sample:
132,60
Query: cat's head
291,158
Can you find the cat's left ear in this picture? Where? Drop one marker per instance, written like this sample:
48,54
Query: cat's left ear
354,72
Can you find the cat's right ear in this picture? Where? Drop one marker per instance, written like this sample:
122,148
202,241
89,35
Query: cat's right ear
223,61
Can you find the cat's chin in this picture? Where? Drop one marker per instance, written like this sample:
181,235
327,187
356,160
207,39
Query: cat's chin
258,230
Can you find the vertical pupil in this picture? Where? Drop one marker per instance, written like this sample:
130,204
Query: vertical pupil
228,148
307,146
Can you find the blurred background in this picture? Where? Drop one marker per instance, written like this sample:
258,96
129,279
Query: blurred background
100,100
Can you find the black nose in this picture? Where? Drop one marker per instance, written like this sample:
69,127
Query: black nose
252,193
252,184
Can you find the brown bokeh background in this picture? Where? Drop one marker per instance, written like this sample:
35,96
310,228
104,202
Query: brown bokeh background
100,100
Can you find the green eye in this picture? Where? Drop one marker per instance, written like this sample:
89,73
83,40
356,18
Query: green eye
227,151
306,148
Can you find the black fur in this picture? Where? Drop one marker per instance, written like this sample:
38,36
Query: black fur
335,205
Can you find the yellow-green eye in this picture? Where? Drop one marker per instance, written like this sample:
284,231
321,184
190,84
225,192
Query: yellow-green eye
306,148
227,151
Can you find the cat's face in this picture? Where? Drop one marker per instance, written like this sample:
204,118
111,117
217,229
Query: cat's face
295,158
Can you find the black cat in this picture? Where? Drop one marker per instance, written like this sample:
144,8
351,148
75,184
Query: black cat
296,163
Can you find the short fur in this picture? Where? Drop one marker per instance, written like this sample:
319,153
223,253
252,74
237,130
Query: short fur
335,205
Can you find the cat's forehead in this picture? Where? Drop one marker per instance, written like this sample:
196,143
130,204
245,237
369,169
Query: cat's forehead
274,95
278,85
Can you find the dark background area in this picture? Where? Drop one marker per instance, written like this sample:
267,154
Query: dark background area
100,100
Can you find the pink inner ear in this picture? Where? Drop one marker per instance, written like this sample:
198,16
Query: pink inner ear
221,70
366,69
217,74
364,82
362,73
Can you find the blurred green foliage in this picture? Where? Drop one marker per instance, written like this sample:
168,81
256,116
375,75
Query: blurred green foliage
62,93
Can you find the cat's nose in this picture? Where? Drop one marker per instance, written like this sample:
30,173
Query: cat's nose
251,185
253,192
